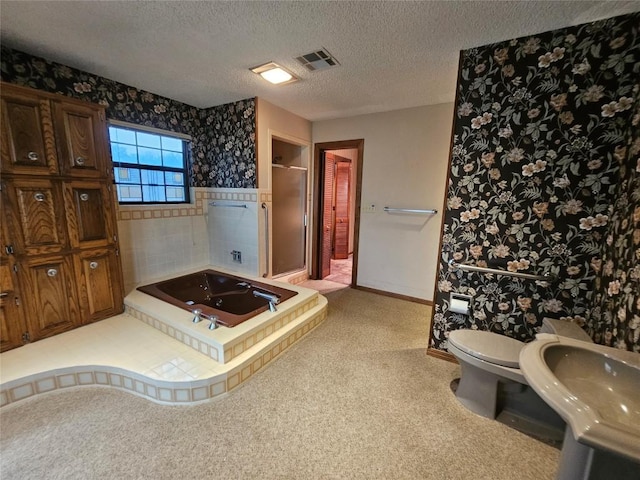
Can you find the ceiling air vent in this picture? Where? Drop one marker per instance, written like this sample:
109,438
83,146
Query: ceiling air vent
318,60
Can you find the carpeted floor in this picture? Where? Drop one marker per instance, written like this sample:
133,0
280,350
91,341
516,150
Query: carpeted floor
357,398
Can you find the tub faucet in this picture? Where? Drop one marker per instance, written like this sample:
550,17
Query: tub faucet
197,315
214,322
269,297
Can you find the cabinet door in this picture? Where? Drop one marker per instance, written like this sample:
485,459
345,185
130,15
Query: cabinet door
12,319
12,322
28,142
51,305
89,211
11,325
100,284
36,216
81,133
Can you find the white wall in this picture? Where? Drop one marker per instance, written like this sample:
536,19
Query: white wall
279,122
406,154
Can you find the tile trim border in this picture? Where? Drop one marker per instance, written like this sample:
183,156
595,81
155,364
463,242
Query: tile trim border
219,353
156,390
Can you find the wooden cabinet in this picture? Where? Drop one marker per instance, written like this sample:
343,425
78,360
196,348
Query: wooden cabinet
89,214
82,148
59,262
35,214
99,282
52,304
11,327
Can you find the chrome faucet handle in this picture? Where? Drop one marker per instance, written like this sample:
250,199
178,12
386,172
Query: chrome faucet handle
214,322
197,315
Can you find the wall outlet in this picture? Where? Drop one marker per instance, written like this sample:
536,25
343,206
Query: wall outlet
237,256
369,208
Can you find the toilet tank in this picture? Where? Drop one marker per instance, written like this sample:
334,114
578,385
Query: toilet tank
564,328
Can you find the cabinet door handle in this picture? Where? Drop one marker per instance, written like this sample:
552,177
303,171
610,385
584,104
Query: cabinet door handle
52,272
93,265
84,197
39,196
80,161
33,156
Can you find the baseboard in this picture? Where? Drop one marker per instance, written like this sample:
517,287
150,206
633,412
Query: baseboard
441,354
393,295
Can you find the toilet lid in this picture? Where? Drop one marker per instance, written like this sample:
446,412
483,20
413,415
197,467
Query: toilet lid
488,346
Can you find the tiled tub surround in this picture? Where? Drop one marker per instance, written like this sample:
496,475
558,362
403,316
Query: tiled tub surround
234,228
125,353
222,344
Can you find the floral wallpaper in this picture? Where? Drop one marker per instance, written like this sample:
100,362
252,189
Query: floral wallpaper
614,319
541,132
232,145
223,137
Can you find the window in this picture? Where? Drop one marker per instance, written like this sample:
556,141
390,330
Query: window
149,167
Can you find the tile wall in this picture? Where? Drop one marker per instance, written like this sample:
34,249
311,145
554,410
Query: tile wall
158,240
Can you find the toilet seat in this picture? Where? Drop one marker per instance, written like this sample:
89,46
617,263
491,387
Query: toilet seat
488,346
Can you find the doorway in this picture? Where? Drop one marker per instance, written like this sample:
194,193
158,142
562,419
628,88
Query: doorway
336,206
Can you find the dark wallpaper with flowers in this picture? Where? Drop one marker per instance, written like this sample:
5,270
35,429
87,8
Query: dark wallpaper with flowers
223,137
614,319
541,134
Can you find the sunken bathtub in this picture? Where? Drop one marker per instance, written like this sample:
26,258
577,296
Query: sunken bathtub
231,299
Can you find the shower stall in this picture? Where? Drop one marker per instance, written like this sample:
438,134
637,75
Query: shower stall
289,207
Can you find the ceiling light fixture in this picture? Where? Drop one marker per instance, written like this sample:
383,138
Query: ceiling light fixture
274,73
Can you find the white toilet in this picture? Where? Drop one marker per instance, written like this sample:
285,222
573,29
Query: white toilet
491,379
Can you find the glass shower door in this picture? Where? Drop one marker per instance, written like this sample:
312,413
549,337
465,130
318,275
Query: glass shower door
289,218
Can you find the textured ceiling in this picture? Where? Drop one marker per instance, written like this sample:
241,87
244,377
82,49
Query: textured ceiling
393,54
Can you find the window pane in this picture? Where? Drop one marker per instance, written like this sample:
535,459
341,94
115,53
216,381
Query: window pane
148,140
149,156
173,178
175,194
122,135
173,144
123,153
129,193
127,175
162,154
172,159
153,194
152,177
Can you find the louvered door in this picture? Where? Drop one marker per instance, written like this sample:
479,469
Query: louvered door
327,214
341,225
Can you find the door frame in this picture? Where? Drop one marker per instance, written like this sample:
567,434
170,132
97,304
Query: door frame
318,172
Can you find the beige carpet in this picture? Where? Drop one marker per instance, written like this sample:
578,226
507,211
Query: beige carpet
357,398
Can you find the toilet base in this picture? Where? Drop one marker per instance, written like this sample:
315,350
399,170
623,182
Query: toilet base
513,403
478,390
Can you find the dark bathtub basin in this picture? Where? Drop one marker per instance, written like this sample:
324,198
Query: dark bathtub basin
228,297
